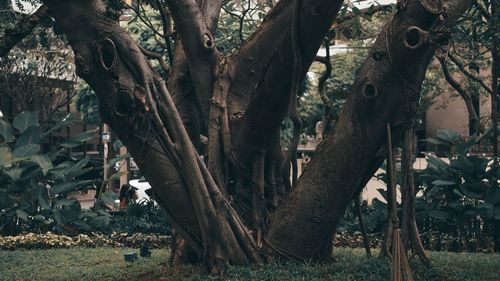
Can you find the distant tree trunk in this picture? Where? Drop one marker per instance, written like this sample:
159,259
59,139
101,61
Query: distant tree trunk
228,109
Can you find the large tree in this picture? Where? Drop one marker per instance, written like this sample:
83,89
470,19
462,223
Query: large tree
208,138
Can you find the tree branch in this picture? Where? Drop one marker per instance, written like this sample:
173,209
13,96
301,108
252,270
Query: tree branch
468,73
22,29
198,43
260,89
473,117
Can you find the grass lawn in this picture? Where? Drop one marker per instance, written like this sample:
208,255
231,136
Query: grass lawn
108,264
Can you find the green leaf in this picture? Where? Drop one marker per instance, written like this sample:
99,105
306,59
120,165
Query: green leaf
462,163
117,144
14,174
117,175
433,141
22,214
43,161
30,136
67,211
76,141
68,120
42,195
6,131
109,198
449,136
5,156
439,214
72,170
26,151
115,160
443,182
70,186
25,120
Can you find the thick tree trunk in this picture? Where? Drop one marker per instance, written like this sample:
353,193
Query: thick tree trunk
386,90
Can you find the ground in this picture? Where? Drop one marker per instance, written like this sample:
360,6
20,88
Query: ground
351,264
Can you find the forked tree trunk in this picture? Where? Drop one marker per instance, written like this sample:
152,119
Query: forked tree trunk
238,103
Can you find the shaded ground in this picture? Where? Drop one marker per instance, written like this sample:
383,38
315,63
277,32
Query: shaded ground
108,264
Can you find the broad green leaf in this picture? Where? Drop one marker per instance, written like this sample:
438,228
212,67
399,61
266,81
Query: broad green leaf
68,212
117,144
117,175
439,214
14,174
26,151
30,136
77,140
6,132
43,161
5,156
70,186
25,120
61,124
449,136
76,168
433,141
109,198
22,214
43,197
443,182
115,160
462,163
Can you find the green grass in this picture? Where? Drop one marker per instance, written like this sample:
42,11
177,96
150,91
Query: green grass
108,264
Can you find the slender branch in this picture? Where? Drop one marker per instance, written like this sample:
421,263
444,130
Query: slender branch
157,57
22,29
462,68
473,117
166,29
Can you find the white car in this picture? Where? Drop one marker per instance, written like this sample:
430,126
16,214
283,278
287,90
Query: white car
141,186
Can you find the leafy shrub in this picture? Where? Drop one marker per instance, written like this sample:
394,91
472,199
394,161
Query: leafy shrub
34,184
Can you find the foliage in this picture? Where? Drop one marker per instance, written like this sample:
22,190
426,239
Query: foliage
142,217
49,240
87,103
35,184
462,191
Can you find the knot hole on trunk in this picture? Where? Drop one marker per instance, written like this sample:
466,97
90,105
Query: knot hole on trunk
415,37
107,54
123,103
207,41
370,91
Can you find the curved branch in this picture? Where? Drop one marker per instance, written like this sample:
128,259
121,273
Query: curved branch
461,66
473,117
22,29
157,57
